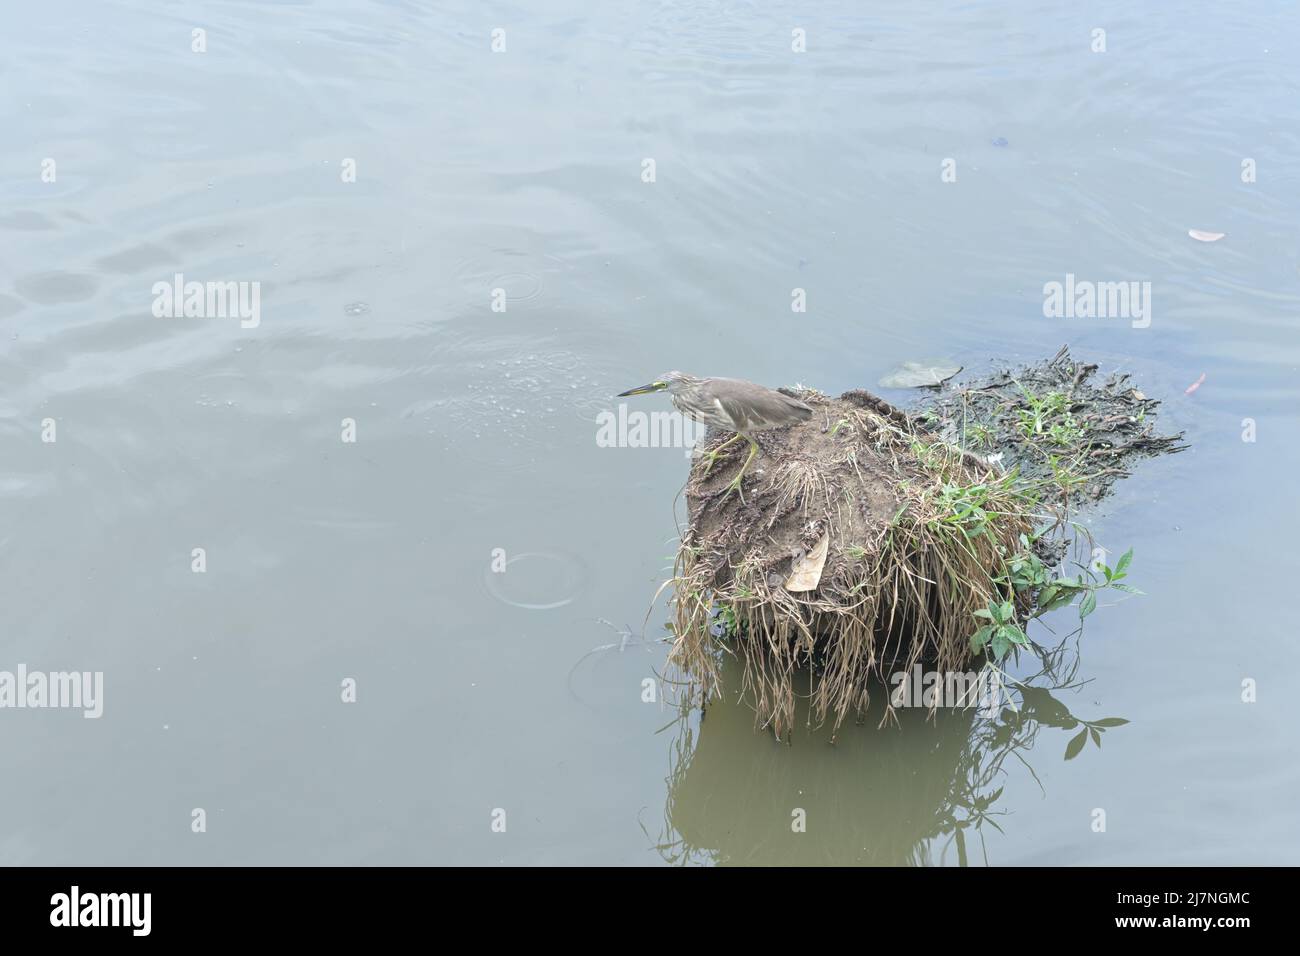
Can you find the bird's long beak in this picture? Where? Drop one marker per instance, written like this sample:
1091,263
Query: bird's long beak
644,389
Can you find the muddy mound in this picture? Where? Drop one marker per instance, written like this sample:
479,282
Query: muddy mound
861,545
868,539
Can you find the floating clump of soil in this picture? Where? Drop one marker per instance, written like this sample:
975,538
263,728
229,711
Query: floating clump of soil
1055,423
869,539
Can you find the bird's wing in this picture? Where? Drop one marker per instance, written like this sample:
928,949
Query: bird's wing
759,407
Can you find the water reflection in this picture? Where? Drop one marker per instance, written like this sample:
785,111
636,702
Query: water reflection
924,790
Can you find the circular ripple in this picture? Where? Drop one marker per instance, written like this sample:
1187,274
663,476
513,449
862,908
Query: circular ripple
537,580
519,286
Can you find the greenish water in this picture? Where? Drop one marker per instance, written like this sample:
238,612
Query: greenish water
476,429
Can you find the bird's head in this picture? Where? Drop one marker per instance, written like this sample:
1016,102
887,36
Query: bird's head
668,382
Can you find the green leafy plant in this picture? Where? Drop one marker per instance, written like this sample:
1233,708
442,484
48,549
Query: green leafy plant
1048,417
968,507
1027,573
979,435
1001,633
1062,591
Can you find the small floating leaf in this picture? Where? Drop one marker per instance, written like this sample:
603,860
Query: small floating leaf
1204,236
920,374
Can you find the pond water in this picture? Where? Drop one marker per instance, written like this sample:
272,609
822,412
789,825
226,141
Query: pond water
345,546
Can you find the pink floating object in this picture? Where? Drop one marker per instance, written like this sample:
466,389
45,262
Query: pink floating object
1195,385
1205,236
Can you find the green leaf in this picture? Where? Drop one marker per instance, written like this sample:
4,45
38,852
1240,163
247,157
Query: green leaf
1127,589
1060,600
1000,645
1096,736
1076,744
1125,560
1088,604
980,638
985,613
1015,635
1110,722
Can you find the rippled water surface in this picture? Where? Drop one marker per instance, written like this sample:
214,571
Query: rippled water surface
497,271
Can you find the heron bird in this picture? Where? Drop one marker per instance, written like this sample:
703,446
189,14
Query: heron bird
731,404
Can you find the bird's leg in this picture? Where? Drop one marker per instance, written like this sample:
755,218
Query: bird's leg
735,482
713,455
